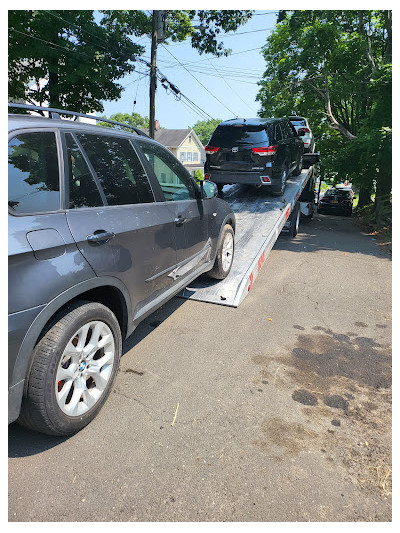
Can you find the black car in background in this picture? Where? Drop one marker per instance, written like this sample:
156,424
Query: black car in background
254,151
336,201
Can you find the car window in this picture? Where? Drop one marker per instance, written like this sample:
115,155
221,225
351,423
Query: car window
118,169
83,191
299,123
278,133
33,173
175,183
288,129
229,136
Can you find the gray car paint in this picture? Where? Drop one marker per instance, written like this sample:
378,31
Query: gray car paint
151,257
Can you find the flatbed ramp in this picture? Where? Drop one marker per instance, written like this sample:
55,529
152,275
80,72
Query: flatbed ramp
260,218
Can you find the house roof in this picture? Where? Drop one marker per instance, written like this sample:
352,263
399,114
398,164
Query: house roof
170,138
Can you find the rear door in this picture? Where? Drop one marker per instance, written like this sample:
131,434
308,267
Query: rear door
292,147
114,217
235,148
182,199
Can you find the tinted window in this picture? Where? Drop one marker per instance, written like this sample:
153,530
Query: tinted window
83,191
118,169
298,122
33,175
173,178
229,136
278,133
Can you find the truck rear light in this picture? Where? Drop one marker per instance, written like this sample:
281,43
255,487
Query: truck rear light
211,149
266,150
266,179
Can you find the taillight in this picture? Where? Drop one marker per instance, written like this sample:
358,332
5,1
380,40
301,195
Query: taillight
211,149
266,150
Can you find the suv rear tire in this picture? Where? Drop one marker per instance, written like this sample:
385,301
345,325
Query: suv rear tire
73,369
284,176
224,258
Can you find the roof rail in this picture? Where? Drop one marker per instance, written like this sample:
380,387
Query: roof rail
55,113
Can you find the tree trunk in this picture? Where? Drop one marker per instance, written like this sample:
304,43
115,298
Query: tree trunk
364,198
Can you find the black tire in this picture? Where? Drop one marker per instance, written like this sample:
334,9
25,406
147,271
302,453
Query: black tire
294,219
221,266
284,176
299,167
41,410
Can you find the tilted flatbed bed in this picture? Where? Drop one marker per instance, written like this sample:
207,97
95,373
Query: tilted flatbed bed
260,219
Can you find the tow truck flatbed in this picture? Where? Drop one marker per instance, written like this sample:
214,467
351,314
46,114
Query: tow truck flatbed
260,219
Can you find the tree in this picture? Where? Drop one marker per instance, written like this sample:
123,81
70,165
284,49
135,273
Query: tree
335,68
205,128
201,26
80,59
133,119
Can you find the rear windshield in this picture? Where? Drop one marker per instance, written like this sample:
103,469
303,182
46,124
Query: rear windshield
229,136
338,193
299,123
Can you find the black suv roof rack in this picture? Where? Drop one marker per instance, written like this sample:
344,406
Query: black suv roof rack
56,114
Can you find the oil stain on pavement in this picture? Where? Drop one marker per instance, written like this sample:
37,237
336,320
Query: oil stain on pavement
343,383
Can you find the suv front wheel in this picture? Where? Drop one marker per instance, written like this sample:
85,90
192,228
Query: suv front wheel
73,369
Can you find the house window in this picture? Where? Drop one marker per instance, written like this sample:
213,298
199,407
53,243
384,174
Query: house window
195,156
182,156
189,156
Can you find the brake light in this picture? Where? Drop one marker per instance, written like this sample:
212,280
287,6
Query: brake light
266,150
211,149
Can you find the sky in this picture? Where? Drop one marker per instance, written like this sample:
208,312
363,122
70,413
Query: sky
223,87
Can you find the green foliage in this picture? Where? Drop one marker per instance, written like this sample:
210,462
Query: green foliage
80,60
133,119
199,175
205,128
334,67
181,25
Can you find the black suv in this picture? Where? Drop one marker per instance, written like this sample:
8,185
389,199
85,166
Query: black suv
104,227
254,151
336,201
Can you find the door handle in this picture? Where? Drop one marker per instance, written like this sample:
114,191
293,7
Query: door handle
100,237
179,221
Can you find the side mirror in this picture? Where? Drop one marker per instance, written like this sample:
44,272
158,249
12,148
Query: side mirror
210,190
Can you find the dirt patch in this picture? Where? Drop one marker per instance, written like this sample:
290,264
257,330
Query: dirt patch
291,436
345,383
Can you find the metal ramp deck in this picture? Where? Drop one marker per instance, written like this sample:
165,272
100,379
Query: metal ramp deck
260,218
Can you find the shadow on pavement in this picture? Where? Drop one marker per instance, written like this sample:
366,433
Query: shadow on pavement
23,443
311,237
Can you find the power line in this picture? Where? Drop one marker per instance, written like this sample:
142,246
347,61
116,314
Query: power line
200,82
245,103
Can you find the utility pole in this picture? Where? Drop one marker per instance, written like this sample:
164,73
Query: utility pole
153,73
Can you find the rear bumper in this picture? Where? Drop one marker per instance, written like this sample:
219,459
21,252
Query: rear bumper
244,178
334,208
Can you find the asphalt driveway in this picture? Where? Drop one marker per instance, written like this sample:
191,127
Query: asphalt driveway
279,410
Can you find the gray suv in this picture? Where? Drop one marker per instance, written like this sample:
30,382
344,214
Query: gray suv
104,227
